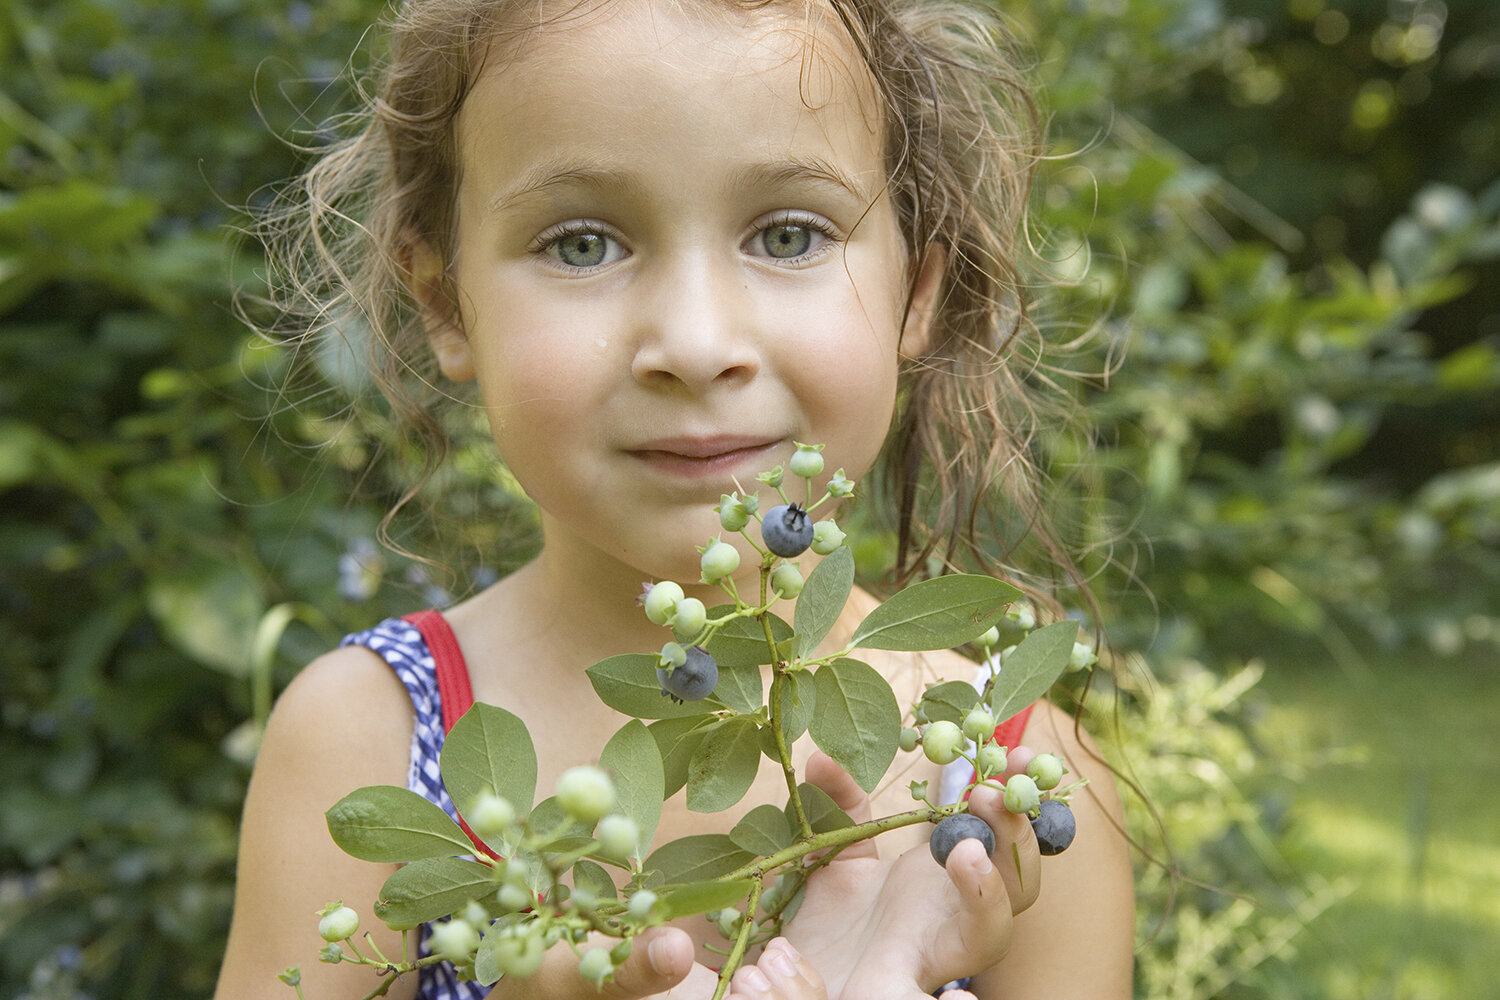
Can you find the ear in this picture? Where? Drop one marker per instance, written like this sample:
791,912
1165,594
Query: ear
927,290
445,335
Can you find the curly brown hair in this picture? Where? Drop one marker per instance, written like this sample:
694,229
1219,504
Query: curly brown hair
963,136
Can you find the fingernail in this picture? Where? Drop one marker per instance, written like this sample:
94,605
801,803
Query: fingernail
779,961
656,954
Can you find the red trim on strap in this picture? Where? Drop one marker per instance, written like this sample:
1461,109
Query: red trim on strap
454,690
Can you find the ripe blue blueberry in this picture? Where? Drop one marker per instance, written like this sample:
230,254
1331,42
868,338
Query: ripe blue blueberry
947,834
1054,827
787,530
694,680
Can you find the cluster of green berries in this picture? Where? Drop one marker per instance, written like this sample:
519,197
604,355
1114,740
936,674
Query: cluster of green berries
686,670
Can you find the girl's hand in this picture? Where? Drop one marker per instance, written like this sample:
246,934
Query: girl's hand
895,930
660,966
781,973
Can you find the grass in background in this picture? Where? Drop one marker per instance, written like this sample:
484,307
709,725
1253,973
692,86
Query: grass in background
1404,797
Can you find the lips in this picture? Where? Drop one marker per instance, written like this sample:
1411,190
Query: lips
706,455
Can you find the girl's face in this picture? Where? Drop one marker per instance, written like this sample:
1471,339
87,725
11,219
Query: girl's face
675,256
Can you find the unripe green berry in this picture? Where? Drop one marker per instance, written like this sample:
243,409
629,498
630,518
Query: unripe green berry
620,952
337,923
661,600
596,966
1022,615
1083,657
941,742
1021,794
806,461
333,954
720,559
640,904
786,580
490,815
990,637
979,725
728,921
454,940
585,793
519,957
512,897
826,537
619,836
771,477
910,737
1046,770
991,760
476,915
689,618
672,656
839,486
733,515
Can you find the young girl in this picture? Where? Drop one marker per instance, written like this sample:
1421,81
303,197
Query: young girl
665,239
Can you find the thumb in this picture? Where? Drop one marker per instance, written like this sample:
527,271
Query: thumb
661,958
826,774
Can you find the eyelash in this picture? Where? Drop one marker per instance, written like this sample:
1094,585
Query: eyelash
553,237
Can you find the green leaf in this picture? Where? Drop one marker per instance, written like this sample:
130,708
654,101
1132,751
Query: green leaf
950,701
940,613
724,766
742,642
693,898
386,823
764,830
823,814
740,687
856,720
698,858
798,699
822,599
489,749
678,740
430,888
593,877
211,615
1032,667
627,683
633,760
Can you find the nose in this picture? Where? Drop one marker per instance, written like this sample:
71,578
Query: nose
695,326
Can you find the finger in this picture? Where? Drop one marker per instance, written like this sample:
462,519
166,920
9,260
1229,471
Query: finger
1016,856
661,958
984,917
750,983
1016,759
790,973
826,774
957,995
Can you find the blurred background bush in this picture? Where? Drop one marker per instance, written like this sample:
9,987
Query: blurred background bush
1278,220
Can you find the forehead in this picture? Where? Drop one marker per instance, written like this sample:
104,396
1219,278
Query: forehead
784,71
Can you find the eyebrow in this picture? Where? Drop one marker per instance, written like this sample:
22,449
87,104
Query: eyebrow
777,172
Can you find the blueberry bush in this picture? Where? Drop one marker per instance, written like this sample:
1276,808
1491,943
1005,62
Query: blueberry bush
1276,223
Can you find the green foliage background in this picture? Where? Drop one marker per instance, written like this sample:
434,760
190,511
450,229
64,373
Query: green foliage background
1276,219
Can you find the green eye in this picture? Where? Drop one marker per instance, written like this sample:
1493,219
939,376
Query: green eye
581,249
786,241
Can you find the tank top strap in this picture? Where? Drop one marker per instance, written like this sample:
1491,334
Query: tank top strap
454,690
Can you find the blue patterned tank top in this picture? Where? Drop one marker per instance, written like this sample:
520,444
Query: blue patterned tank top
401,645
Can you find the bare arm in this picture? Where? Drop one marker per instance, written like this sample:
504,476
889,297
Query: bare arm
1077,940
343,723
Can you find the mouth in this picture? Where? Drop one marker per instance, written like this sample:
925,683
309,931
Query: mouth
709,455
